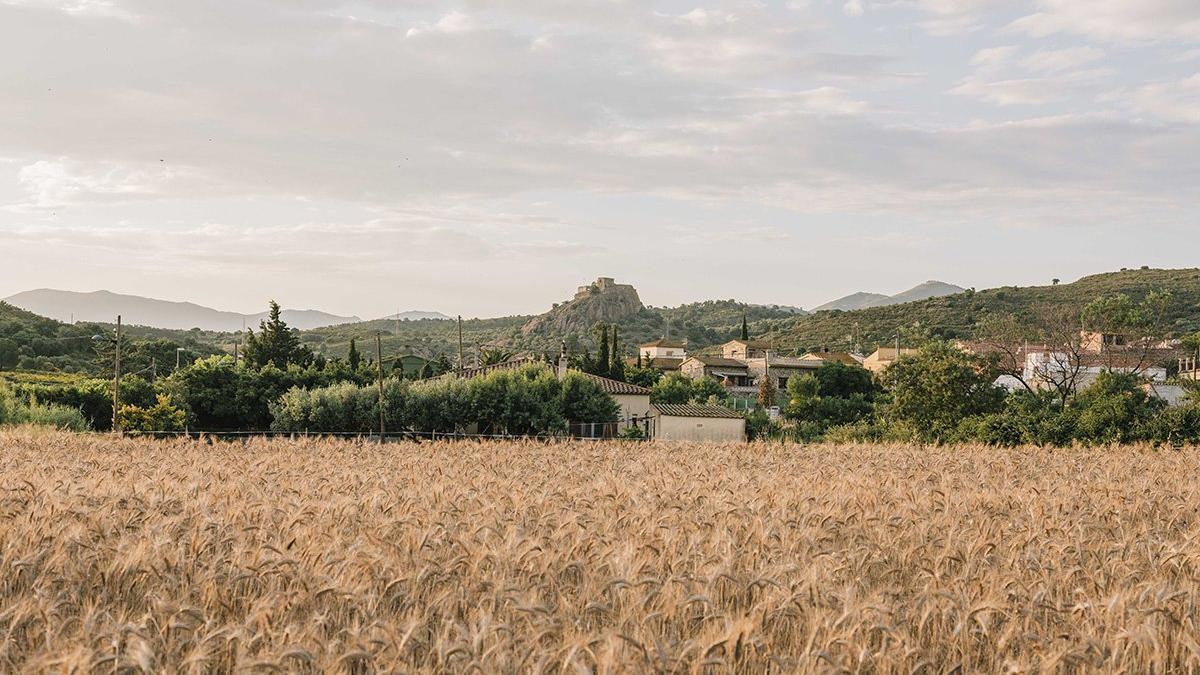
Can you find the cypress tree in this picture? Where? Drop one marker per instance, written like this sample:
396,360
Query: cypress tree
745,328
602,360
353,356
616,369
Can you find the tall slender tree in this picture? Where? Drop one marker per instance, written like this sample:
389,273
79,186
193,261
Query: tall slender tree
353,357
602,359
616,369
745,328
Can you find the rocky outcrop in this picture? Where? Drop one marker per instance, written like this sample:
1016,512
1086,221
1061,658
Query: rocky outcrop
601,302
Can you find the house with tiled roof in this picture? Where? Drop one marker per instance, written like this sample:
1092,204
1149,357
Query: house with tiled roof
691,422
844,358
633,400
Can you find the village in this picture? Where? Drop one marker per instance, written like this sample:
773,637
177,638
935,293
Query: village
746,367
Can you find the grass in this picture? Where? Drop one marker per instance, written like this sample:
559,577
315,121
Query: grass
141,556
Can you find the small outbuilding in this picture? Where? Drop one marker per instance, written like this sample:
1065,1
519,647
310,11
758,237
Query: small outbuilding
689,422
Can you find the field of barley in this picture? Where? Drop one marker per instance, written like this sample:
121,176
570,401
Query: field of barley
321,556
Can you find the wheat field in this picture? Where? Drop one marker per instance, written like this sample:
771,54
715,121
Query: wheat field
322,556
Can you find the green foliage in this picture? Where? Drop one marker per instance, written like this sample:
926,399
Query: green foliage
353,358
938,387
960,316
836,395
642,376
492,356
759,425
1113,409
14,410
673,388
603,362
525,401
162,416
706,389
275,344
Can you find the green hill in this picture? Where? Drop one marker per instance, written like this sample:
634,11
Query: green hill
31,342
702,323
956,316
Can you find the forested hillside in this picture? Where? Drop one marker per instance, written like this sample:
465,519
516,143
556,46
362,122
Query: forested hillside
957,316
35,343
702,323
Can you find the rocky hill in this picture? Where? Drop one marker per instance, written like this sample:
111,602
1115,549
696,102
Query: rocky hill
604,301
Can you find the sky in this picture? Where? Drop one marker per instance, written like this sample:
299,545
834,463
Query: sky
485,158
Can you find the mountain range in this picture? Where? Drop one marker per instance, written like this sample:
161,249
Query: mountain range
104,306
861,300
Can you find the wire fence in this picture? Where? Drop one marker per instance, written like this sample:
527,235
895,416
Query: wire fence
590,431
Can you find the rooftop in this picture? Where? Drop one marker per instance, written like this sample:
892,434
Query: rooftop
695,410
720,361
667,343
611,386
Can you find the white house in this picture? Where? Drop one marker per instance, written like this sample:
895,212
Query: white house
698,423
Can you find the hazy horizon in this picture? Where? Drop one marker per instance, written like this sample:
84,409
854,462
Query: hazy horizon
485,158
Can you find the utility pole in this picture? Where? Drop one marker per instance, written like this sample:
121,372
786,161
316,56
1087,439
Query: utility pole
379,367
897,360
461,363
116,420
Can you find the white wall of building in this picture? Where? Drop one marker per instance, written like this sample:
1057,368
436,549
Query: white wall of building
671,428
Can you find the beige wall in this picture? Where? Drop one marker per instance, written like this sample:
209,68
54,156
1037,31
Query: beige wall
633,405
699,429
664,353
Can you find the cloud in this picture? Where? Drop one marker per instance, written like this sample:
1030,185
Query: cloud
60,182
1116,20
1172,101
83,8
1058,60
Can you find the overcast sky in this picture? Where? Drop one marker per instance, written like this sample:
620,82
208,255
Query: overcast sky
485,158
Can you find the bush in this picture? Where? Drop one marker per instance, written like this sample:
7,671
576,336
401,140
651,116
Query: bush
15,411
162,416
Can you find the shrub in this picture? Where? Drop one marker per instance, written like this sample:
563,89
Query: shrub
162,416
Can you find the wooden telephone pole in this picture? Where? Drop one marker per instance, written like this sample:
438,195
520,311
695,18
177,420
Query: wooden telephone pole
116,420
379,368
461,363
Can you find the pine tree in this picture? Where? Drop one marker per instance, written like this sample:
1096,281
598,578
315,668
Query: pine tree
276,343
745,328
601,362
353,356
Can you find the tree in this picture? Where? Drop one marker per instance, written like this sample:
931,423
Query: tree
616,369
839,380
602,359
493,355
353,357
1004,338
745,328
162,416
672,389
707,388
426,370
1113,409
768,395
275,343
938,387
